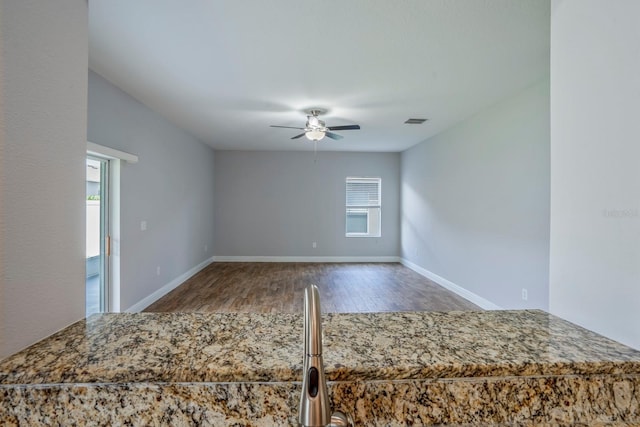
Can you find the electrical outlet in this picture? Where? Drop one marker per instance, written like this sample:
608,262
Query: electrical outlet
143,225
206,248
157,270
525,294
314,245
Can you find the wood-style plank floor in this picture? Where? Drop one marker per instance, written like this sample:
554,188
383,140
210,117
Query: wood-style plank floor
279,288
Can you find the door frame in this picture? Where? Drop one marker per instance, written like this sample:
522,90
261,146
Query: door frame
116,159
105,232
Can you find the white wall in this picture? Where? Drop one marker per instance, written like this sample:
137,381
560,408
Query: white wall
43,100
475,202
171,188
279,203
595,166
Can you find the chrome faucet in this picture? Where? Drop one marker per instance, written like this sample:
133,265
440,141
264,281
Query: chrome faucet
314,401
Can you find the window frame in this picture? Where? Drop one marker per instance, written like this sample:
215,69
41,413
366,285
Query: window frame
366,208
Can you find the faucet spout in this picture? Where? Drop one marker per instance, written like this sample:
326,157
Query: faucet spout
314,401
312,322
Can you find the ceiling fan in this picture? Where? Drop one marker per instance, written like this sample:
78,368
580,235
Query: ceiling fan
315,129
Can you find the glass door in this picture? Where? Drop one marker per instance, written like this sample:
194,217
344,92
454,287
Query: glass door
98,244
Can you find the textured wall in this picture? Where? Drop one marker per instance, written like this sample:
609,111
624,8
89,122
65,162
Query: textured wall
43,99
279,203
595,178
171,188
475,202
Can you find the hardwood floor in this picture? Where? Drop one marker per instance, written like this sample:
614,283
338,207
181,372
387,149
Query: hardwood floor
279,288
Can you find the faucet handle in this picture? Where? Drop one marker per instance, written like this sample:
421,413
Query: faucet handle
338,419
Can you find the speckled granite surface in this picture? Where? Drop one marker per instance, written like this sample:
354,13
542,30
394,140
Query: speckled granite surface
457,368
554,401
197,347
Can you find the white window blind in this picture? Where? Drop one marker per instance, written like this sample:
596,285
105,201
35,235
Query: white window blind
363,205
363,192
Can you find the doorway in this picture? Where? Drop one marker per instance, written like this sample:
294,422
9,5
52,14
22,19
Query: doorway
98,244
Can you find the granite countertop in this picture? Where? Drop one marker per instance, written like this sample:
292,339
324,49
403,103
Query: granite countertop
241,347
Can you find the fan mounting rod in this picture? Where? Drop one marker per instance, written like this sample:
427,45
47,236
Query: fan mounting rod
315,111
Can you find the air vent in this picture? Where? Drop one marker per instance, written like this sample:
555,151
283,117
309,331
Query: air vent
415,121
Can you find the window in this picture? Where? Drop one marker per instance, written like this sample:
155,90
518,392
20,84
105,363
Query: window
363,207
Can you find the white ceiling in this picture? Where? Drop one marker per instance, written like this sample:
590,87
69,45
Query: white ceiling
227,69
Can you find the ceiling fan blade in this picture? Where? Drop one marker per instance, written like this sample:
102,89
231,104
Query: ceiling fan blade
298,136
286,127
333,135
345,127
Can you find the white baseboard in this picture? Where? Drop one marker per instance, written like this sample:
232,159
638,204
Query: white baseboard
306,259
150,299
468,295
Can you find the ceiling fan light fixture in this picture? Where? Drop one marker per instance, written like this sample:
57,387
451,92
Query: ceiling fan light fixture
314,135
316,129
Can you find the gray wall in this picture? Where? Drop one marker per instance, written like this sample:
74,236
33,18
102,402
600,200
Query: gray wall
170,188
475,202
595,173
43,99
279,203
